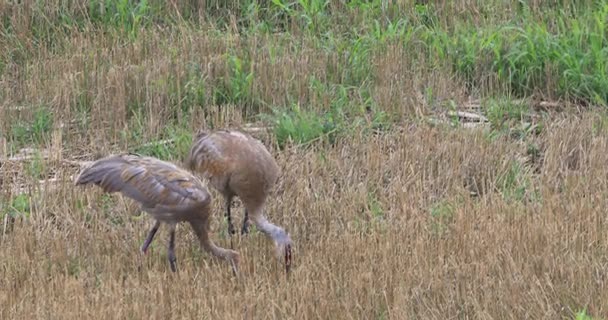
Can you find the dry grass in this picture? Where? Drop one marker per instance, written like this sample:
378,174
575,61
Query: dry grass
401,219
367,243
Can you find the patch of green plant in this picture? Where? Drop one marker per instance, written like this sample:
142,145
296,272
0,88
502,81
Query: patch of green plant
127,15
453,118
18,206
82,208
511,119
349,106
469,51
516,184
107,204
135,109
357,69
73,266
34,131
533,151
192,91
353,66
236,88
312,14
582,315
136,128
173,144
42,123
380,120
525,55
35,168
372,216
525,129
249,15
51,25
426,14
382,313
300,126
442,215
392,30
195,91
156,149
502,113
374,206
348,109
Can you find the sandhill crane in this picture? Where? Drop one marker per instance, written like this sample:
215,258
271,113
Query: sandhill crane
236,164
169,194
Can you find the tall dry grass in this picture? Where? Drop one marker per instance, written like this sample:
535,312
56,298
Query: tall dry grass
368,243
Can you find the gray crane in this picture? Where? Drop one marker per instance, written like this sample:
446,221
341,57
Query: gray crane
169,194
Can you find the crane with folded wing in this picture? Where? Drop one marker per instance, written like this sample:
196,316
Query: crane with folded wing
237,164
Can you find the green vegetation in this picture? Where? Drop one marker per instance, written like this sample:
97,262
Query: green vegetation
442,214
515,183
582,315
556,52
19,206
175,142
35,168
300,126
34,131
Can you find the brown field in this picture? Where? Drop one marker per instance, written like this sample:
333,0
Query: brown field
426,219
367,245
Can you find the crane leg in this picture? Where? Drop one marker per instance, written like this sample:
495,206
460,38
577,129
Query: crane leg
150,237
229,216
171,249
245,228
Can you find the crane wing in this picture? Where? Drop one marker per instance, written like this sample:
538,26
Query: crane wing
154,183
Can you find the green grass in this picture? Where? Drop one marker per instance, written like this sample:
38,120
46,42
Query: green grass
299,126
441,214
515,183
566,59
172,145
559,55
18,206
34,131
512,118
582,315
236,88
36,167
502,113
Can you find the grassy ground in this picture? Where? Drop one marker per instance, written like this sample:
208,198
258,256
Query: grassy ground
400,207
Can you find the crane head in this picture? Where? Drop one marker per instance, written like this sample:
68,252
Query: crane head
283,249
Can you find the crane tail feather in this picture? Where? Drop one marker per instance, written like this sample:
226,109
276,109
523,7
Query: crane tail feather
105,173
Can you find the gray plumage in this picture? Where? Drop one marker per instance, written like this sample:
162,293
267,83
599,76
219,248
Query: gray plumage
169,194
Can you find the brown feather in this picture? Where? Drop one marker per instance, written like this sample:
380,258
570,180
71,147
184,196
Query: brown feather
238,164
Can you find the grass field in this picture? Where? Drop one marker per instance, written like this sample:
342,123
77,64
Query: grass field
440,159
